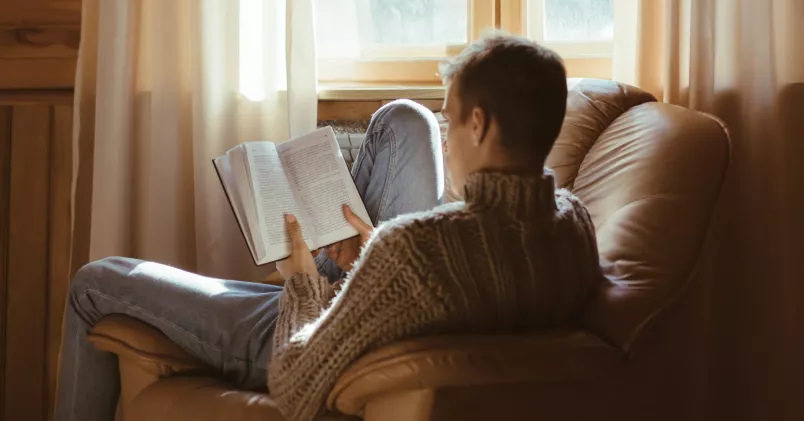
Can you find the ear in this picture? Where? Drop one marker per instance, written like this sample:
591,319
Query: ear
479,125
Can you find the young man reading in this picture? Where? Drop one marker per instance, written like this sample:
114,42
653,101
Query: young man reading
516,255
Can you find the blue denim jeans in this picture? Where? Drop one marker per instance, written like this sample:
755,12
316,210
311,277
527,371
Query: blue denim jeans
229,324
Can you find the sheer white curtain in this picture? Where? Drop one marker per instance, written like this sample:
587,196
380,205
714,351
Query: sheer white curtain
162,88
743,61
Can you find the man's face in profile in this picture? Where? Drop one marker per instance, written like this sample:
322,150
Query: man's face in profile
460,155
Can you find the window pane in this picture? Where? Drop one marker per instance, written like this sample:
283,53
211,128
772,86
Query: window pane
578,20
350,28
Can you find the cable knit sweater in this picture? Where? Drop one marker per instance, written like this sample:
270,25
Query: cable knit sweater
516,255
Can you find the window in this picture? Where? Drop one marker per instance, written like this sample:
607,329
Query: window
581,31
573,28
394,40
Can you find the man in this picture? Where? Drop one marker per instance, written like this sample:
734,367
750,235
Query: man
516,255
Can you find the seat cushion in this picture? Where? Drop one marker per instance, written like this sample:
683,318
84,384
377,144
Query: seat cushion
184,398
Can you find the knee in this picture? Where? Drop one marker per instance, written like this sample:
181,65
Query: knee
95,273
404,115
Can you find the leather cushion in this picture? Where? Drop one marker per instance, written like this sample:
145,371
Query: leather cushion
186,398
651,183
650,175
143,345
462,360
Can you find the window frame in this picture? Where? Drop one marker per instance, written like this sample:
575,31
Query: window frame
389,78
481,15
581,59
533,27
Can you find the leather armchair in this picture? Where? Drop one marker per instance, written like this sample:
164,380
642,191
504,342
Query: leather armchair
651,175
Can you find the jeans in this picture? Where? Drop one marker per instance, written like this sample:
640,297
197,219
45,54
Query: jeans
229,324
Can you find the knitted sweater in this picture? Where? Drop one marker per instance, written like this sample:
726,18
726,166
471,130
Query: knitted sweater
517,255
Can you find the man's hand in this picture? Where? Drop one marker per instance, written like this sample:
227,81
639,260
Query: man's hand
300,259
344,253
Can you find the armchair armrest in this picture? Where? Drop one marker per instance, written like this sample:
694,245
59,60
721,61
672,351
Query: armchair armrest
145,355
144,346
430,363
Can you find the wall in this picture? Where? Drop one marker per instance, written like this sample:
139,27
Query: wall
38,49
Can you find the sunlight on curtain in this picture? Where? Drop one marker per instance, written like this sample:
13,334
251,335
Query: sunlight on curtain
166,86
251,50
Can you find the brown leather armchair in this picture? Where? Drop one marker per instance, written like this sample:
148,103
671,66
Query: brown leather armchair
651,175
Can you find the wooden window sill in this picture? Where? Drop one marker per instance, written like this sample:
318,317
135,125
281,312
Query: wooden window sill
378,92
358,101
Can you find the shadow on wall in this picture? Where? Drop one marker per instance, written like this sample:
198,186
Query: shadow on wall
791,127
760,311
791,341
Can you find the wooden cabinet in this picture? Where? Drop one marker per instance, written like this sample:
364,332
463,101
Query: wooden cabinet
38,49
35,184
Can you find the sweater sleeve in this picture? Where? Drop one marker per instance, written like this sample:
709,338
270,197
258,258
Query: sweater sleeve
313,345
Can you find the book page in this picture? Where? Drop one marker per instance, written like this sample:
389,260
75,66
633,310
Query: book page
322,183
231,169
274,198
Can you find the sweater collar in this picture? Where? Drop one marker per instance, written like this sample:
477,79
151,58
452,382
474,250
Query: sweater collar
523,195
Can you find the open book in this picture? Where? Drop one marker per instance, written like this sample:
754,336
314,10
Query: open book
305,176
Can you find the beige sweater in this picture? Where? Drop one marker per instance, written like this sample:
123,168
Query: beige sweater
516,255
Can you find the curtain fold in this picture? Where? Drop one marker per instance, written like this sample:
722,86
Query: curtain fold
163,87
742,61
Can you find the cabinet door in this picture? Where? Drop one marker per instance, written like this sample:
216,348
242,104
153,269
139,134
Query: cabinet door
35,189
38,51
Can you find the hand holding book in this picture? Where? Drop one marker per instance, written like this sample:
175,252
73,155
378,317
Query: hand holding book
300,259
344,253
306,177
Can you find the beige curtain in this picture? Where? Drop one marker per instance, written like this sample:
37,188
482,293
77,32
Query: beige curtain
162,88
743,61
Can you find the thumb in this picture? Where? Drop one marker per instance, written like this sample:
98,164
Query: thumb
355,221
294,229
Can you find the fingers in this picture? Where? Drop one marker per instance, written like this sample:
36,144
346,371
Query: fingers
332,251
294,229
355,221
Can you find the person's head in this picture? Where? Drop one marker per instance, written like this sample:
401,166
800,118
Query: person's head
505,102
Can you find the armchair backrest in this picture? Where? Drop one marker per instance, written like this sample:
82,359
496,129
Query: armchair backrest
650,175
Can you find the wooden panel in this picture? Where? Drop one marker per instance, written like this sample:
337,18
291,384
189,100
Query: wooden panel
511,16
46,42
38,97
362,110
482,17
347,110
433,105
39,43
5,161
375,91
42,73
384,71
38,50
27,264
51,12
588,67
59,239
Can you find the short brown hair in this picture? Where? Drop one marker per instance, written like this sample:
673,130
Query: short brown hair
520,83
